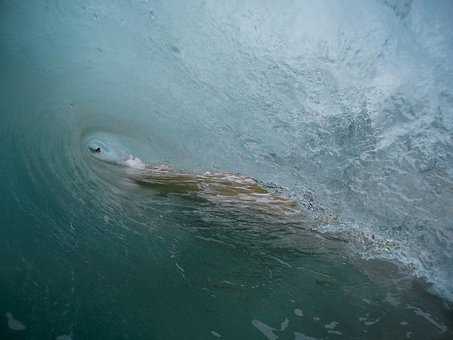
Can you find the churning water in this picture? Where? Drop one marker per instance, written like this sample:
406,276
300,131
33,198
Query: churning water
345,108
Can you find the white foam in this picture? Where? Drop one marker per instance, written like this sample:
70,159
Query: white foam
427,316
14,324
298,312
266,330
135,163
284,325
332,325
300,336
217,335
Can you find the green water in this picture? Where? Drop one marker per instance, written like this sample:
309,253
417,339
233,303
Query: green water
169,268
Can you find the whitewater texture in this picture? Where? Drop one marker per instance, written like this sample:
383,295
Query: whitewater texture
347,106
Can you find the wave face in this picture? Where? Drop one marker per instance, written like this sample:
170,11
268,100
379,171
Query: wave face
348,106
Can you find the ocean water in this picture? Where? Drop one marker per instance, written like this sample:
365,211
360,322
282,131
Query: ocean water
345,108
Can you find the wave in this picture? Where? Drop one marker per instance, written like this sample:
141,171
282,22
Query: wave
353,120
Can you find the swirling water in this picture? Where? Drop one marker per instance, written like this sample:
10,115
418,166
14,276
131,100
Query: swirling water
346,107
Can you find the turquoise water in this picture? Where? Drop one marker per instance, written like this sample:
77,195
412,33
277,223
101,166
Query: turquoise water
343,108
